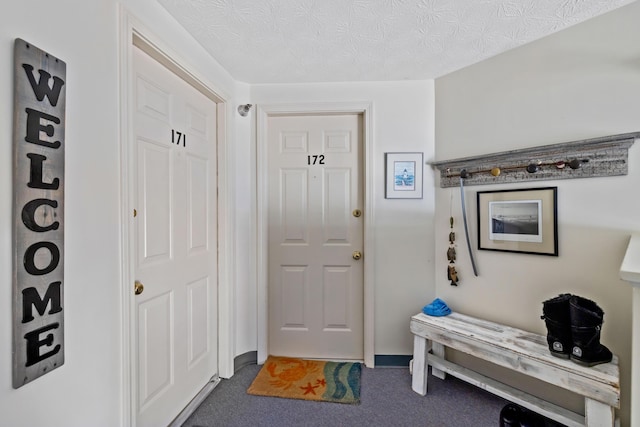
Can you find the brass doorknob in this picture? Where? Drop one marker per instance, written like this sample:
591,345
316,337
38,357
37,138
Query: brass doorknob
357,255
138,288
357,213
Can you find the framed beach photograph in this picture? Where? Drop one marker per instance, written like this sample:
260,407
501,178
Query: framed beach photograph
403,175
522,221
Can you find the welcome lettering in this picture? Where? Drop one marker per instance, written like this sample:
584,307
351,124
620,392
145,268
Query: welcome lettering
39,225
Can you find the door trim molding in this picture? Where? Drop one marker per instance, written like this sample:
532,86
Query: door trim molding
133,33
263,112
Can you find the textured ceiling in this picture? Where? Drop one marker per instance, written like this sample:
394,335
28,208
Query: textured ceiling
301,41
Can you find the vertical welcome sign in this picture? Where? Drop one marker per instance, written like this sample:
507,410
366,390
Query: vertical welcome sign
38,180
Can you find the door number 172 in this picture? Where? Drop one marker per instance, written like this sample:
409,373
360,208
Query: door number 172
316,159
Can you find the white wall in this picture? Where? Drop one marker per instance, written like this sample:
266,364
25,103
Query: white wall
245,281
86,390
582,82
403,231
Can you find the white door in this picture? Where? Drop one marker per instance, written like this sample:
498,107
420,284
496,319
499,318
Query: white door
315,284
176,242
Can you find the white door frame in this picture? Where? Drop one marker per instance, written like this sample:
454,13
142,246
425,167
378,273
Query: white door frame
133,33
263,113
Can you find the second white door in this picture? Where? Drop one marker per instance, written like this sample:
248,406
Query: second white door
315,254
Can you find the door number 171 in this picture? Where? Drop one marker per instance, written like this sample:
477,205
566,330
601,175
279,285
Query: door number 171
178,138
316,159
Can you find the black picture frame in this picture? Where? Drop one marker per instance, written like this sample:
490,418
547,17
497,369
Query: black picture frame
520,220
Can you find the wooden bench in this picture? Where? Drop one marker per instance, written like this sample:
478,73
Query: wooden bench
520,351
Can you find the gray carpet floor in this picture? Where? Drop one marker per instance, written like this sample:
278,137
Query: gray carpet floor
386,400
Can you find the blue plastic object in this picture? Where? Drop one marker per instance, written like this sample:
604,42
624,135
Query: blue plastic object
437,308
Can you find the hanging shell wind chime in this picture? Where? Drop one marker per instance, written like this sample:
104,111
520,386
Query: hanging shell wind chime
452,274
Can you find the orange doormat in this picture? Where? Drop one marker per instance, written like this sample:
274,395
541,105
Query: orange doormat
308,380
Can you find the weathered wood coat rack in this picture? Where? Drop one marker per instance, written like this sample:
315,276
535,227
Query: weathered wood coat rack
588,158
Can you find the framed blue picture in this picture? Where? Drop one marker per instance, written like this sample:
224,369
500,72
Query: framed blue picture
403,175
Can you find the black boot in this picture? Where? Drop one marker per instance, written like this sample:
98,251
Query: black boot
510,416
556,315
513,415
586,321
